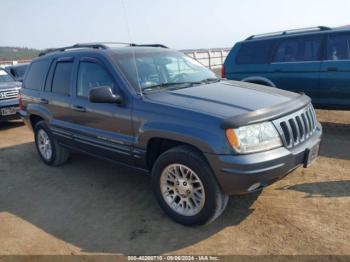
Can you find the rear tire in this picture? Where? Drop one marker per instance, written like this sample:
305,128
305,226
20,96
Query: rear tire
185,187
52,153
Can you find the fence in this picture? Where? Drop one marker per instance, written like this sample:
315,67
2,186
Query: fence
211,58
12,62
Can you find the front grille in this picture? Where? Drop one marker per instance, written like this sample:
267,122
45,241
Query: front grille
8,94
297,127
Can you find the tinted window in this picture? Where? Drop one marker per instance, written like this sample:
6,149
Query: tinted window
19,70
255,52
299,49
62,77
36,74
91,75
338,47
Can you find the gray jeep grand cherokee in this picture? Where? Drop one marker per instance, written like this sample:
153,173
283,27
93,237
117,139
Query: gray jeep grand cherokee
200,137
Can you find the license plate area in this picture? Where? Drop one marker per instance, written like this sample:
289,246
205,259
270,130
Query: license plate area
7,111
311,154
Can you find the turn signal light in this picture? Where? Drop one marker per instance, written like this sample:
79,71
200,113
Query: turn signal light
232,138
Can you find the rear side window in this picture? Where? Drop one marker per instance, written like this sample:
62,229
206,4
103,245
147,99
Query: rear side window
338,47
299,49
62,78
91,75
258,52
36,75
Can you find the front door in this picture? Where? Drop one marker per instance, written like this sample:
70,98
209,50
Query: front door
103,129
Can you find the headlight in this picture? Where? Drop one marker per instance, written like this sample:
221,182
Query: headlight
254,138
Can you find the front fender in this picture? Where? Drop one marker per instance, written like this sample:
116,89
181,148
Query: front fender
205,140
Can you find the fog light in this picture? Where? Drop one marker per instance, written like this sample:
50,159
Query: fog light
254,187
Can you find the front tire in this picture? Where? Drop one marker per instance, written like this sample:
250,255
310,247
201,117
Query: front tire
52,153
186,188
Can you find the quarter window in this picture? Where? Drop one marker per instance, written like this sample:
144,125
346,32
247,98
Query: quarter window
91,75
258,52
338,47
62,78
299,50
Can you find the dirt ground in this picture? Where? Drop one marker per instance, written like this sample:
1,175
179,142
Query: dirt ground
89,206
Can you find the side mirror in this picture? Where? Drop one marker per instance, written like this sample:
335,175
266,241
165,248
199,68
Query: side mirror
104,94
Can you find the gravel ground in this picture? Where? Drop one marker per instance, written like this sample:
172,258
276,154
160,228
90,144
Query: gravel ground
91,207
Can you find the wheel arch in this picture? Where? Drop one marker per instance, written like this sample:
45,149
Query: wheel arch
37,113
259,80
158,145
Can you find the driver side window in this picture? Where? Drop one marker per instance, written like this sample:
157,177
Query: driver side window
91,75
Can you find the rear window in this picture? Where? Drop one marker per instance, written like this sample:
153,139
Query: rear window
62,78
36,75
298,50
258,52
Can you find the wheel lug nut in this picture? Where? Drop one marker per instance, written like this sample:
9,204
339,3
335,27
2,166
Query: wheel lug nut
185,184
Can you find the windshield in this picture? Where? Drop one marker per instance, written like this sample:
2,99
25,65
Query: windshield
162,69
5,77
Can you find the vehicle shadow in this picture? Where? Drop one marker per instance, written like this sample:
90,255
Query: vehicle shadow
335,141
4,125
322,189
98,206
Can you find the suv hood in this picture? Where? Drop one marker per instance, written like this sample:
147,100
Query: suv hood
225,98
9,85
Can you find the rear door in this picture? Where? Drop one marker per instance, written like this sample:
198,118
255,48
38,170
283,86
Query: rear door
296,64
57,98
335,72
103,129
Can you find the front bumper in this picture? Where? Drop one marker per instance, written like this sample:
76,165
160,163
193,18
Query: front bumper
237,173
9,103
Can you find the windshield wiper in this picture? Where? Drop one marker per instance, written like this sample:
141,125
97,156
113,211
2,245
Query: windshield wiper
182,84
169,84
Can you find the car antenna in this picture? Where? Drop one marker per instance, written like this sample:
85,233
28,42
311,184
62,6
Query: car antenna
133,50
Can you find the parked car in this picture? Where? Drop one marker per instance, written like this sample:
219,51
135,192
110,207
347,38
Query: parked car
157,110
8,96
17,71
315,61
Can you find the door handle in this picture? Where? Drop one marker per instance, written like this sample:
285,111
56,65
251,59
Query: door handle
79,108
332,69
44,101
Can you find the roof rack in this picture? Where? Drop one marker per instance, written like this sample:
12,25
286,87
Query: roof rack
150,45
293,31
99,45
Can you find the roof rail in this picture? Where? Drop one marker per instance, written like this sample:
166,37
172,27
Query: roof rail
150,45
98,45
293,31
61,49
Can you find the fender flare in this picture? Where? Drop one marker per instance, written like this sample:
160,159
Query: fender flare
39,111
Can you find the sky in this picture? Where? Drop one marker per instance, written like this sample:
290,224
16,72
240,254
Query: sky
179,24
